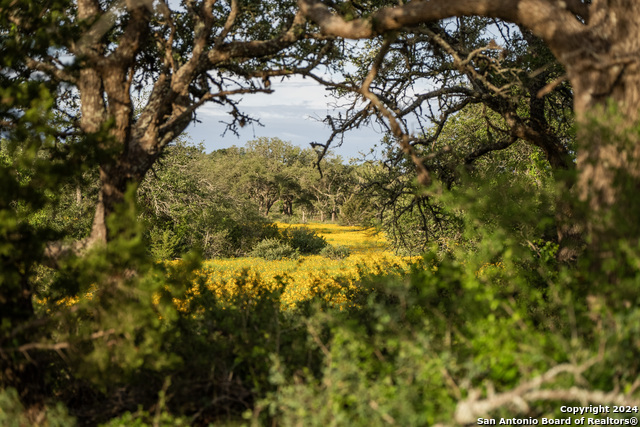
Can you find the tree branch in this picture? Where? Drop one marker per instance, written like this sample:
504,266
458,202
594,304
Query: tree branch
546,18
258,48
497,146
468,410
424,177
51,70
106,20
231,19
578,8
129,43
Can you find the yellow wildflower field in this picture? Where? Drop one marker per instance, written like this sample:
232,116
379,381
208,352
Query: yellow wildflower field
298,279
357,239
307,276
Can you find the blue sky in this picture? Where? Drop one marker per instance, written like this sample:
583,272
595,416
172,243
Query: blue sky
292,113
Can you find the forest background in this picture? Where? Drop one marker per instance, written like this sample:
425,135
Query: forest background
518,190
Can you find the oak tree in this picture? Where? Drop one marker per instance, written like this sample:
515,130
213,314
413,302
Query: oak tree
595,42
102,55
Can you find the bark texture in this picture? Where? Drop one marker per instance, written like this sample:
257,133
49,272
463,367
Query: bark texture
108,60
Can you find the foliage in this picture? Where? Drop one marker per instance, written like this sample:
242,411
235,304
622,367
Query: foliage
141,418
335,252
272,173
304,240
164,244
487,324
414,218
315,341
165,61
358,209
189,208
358,239
274,249
12,413
29,183
97,327
483,327
303,280
228,343
471,61
68,208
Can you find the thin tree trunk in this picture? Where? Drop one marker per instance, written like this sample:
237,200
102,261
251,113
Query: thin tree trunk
78,194
606,80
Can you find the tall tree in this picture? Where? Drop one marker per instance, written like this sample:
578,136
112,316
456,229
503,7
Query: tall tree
596,44
428,75
332,189
184,55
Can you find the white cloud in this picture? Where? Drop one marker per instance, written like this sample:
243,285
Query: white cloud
291,113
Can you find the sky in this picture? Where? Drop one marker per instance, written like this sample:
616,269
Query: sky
292,113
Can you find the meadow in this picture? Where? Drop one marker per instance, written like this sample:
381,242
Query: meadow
308,276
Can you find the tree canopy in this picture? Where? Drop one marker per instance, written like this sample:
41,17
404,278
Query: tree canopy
585,38
511,164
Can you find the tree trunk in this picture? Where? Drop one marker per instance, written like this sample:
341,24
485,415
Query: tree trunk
115,178
597,42
78,195
605,75
570,228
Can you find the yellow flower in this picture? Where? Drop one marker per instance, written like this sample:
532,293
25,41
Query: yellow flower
311,275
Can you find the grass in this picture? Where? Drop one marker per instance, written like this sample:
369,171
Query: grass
357,239
308,276
301,279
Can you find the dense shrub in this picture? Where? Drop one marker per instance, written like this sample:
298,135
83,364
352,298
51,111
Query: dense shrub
501,330
358,210
304,240
470,332
185,210
274,249
413,352
14,414
335,252
164,244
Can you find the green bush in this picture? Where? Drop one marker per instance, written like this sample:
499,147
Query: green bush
274,249
142,418
358,210
335,252
304,240
228,342
13,413
410,351
164,244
